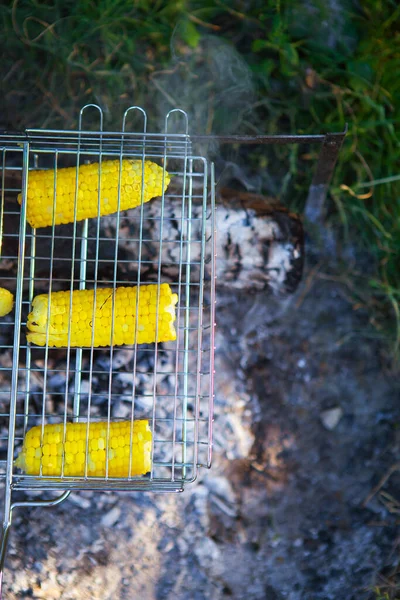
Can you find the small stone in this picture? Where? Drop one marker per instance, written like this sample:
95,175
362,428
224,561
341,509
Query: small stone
331,417
110,518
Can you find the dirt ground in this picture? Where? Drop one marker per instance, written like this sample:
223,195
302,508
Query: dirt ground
306,423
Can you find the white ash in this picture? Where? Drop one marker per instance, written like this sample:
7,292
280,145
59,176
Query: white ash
80,500
280,257
253,252
241,241
209,556
111,517
121,410
222,493
233,430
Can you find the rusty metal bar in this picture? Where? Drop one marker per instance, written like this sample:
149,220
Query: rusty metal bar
262,139
323,174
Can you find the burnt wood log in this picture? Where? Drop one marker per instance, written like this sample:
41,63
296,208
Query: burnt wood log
277,243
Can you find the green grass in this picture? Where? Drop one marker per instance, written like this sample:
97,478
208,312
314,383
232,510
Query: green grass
263,66
392,594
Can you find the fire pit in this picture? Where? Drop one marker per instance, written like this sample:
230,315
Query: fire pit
171,241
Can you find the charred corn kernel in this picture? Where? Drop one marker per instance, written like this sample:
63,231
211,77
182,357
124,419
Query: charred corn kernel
6,302
42,199
35,455
82,322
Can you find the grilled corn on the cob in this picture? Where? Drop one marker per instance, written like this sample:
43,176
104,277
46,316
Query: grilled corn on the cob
6,302
42,201
49,452
82,319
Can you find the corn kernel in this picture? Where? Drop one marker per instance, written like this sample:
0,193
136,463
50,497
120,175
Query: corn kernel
46,449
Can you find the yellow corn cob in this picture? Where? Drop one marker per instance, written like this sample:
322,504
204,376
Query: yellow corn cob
81,318
6,302
49,452
41,190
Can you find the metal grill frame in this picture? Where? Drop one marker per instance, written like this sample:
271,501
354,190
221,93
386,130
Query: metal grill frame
99,145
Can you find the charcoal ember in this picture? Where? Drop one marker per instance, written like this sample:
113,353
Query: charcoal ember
6,333
121,358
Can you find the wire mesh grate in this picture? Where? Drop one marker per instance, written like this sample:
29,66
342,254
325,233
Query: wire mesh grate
167,240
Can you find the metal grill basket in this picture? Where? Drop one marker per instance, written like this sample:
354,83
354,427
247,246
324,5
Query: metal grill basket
169,384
